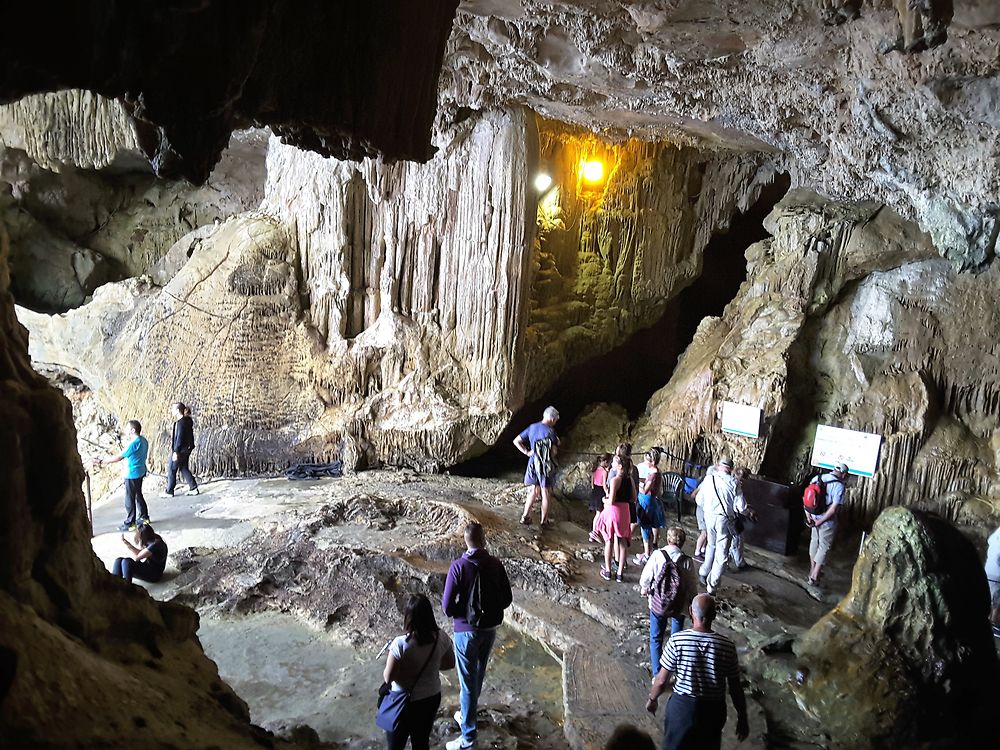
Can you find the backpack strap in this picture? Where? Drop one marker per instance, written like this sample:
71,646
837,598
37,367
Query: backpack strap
426,661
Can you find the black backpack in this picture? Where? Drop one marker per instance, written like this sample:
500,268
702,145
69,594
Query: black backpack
480,610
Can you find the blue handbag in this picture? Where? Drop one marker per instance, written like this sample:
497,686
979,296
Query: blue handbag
392,703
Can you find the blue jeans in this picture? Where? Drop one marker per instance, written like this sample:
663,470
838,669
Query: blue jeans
657,630
472,651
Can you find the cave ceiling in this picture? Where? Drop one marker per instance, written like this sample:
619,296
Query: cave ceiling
859,99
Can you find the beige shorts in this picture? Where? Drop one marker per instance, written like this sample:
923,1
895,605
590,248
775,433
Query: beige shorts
820,541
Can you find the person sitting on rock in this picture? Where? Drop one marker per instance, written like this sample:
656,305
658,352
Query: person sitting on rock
650,509
539,443
415,662
181,445
147,557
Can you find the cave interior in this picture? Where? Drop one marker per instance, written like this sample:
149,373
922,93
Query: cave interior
381,238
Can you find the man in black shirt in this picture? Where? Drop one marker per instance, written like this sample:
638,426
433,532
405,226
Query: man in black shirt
181,445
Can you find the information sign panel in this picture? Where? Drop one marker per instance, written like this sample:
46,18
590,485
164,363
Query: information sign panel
859,450
741,419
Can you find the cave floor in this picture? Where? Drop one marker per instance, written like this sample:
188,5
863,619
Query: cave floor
299,584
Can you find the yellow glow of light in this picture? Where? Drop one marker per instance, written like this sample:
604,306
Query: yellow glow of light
542,182
593,171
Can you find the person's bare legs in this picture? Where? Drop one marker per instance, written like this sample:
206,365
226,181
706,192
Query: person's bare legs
532,494
545,505
607,553
699,546
622,552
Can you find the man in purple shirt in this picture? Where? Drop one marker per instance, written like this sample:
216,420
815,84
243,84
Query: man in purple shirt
539,443
476,592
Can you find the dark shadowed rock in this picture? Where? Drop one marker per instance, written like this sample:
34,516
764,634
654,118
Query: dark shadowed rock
907,658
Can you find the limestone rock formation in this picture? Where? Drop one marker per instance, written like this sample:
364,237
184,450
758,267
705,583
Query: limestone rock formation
73,228
906,659
811,79
376,64
66,627
847,318
416,307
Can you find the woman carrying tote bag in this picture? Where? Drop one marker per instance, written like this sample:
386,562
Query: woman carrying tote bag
412,672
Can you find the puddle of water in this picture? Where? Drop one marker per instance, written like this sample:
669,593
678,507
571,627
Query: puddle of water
290,674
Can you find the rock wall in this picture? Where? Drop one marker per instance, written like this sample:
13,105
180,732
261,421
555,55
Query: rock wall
83,207
849,318
361,81
878,100
413,307
907,658
121,664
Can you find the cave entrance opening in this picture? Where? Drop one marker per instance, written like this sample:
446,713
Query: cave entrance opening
631,373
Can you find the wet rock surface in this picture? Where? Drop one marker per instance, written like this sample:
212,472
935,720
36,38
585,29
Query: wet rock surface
340,556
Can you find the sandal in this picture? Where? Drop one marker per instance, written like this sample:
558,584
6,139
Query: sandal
605,574
525,520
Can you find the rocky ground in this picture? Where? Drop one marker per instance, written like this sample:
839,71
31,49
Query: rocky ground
298,585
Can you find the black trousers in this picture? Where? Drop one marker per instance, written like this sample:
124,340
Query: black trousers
133,501
181,465
416,724
693,723
127,568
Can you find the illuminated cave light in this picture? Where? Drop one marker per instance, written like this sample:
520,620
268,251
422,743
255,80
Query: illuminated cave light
542,182
593,171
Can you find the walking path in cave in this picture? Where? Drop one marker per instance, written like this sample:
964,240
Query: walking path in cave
310,573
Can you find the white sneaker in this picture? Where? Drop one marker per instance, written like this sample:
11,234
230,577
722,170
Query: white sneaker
166,494
195,491
458,717
459,743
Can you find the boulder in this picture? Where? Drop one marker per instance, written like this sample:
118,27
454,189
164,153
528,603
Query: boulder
907,657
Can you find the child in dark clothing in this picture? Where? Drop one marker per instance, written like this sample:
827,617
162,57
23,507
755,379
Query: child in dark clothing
599,480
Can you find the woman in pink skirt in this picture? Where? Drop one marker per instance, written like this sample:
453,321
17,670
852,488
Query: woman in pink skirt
615,524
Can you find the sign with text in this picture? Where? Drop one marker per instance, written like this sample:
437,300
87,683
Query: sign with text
741,419
859,450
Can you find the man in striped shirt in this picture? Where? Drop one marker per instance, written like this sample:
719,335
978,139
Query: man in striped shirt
705,665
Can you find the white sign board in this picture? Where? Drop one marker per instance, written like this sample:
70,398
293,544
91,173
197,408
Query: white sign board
859,450
741,419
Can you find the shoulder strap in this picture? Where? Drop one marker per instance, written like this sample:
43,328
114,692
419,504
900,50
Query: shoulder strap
426,661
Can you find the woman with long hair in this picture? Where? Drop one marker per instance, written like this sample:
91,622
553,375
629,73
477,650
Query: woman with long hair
414,664
147,557
614,524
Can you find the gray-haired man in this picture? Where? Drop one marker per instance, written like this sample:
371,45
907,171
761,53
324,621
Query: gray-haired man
539,443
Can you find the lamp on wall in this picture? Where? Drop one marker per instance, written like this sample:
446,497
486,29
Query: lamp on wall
542,182
592,171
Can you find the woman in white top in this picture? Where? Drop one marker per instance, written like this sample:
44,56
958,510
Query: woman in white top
414,664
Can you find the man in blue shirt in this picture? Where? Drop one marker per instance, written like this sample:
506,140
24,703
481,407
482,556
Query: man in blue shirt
824,525
539,443
135,469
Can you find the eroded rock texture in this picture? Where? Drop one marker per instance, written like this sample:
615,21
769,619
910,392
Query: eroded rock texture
906,659
82,207
343,79
401,311
122,664
915,129
848,318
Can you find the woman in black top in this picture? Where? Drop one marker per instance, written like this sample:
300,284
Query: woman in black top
181,445
145,561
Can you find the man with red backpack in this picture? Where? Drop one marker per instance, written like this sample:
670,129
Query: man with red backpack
670,580
821,500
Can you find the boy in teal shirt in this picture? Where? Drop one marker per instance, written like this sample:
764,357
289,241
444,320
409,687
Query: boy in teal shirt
135,469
